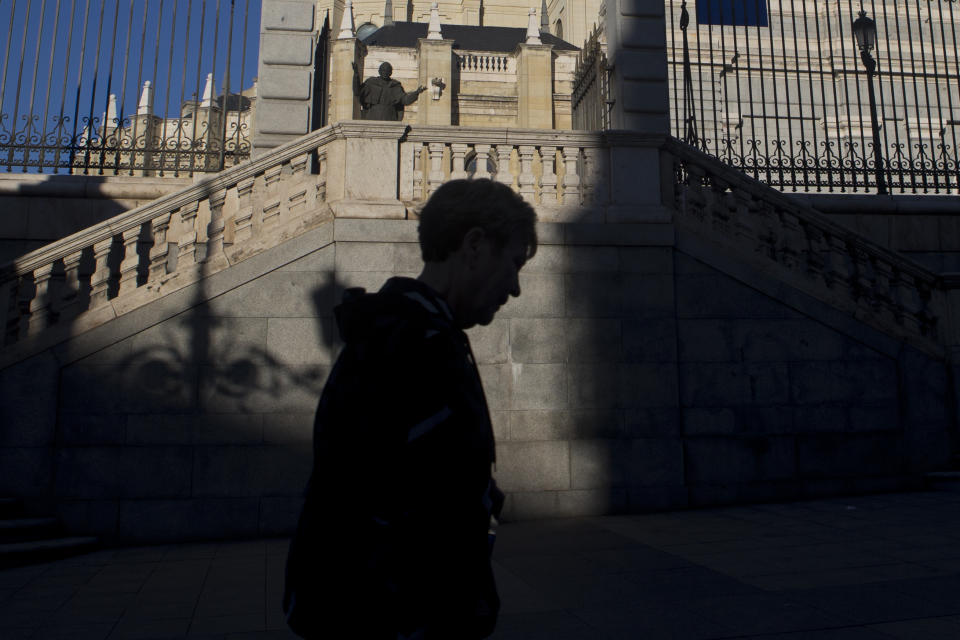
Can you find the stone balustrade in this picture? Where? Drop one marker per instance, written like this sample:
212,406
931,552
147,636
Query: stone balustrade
481,62
122,263
556,171
828,261
113,267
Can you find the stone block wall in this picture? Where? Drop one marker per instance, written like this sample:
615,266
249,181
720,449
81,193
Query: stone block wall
633,373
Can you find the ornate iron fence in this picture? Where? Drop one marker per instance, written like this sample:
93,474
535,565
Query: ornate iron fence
590,101
779,89
127,86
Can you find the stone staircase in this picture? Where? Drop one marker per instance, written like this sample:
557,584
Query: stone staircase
26,539
83,294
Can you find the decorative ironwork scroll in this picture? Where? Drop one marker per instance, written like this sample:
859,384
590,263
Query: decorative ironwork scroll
777,89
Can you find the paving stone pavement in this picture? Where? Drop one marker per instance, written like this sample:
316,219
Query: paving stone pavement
857,568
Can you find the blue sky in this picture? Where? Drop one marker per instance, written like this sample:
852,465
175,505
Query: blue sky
56,42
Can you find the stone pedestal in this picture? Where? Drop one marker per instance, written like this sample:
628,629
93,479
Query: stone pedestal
535,86
343,103
362,165
434,106
285,88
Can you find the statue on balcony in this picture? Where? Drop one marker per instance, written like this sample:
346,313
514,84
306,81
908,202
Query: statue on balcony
381,97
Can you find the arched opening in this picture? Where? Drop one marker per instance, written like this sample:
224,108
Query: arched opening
366,30
558,29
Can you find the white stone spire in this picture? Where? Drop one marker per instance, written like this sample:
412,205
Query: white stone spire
346,24
388,13
145,107
533,29
110,119
207,100
433,30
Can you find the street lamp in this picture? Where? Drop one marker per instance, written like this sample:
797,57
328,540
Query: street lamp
865,31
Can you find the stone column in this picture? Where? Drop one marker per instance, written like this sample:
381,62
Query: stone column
285,74
637,51
344,53
535,86
435,106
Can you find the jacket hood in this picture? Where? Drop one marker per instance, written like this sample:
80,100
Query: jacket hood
362,316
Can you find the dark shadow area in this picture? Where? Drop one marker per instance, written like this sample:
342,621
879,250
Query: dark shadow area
195,427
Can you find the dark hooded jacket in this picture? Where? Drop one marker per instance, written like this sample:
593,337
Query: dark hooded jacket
393,533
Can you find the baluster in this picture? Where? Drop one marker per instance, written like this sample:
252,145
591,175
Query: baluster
720,206
271,206
907,306
40,305
68,297
695,200
790,245
813,253
548,182
216,226
131,261
297,198
527,181
100,280
298,165
503,174
8,308
160,250
863,283
322,175
187,249
883,271
25,291
418,172
243,222
435,179
767,238
837,274
595,178
458,153
571,180
928,321
482,161
743,228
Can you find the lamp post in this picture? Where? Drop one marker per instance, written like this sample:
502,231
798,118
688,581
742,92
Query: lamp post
865,31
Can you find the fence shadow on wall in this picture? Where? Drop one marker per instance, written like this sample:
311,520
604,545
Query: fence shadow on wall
199,425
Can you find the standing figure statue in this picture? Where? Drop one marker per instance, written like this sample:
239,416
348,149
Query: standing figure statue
382,98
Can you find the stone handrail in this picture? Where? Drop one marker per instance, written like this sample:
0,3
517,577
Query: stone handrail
821,258
144,253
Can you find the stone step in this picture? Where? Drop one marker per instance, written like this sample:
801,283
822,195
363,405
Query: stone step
10,508
26,529
943,480
16,554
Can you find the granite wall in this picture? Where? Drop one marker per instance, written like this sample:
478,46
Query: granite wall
640,369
